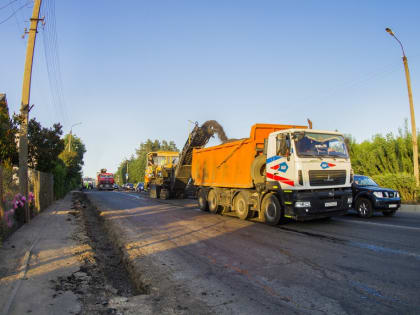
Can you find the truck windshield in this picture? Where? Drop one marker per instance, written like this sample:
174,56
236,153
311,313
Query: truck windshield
159,160
320,145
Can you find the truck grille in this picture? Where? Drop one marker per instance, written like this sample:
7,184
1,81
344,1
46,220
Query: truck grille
327,178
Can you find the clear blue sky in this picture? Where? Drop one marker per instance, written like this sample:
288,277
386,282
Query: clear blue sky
133,70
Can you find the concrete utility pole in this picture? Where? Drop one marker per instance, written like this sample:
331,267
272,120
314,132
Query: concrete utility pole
24,109
71,134
413,119
126,180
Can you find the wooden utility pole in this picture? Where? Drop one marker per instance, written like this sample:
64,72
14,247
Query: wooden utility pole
24,109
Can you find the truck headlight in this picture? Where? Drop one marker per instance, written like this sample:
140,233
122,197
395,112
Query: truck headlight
302,204
378,194
350,200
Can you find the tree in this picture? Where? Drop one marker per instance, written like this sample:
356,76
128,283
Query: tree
137,165
44,146
8,131
72,158
8,148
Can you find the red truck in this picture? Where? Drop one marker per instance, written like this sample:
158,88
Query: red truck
104,180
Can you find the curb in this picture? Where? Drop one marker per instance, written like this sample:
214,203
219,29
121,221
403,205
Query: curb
409,208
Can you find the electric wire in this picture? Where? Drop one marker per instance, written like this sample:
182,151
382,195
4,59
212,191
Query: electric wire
14,12
6,5
52,59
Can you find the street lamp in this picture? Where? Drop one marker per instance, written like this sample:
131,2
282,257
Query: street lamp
410,99
71,133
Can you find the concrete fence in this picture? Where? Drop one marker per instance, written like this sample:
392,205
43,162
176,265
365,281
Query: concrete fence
40,184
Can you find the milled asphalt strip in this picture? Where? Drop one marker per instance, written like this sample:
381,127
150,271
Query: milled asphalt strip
379,224
24,268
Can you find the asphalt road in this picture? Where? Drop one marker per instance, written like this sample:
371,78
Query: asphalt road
225,265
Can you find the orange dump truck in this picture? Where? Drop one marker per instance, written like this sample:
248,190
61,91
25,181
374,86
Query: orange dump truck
279,171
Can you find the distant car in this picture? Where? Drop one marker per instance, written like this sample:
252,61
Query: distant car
129,186
115,187
369,197
140,187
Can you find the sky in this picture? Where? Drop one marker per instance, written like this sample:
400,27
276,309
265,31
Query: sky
134,70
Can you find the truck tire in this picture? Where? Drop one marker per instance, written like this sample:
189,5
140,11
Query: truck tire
240,205
364,208
213,201
202,200
164,194
154,192
258,169
272,209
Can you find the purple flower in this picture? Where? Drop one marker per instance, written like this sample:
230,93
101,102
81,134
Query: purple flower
15,205
23,198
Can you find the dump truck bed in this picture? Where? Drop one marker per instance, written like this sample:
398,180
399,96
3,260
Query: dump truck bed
229,164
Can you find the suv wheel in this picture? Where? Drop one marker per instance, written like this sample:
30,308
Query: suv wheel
364,208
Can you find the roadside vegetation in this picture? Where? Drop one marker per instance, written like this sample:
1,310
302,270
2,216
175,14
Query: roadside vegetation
48,152
136,165
388,160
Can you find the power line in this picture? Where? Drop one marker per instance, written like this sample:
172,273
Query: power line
14,12
52,60
5,6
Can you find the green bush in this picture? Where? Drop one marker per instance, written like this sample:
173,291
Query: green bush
60,185
403,182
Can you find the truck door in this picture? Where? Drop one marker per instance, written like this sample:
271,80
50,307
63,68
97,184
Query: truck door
280,160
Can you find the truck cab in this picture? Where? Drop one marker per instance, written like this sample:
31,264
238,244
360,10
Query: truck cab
311,170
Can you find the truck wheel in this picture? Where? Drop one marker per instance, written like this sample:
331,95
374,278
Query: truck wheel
258,169
164,194
240,204
213,201
364,208
389,213
154,192
272,209
202,200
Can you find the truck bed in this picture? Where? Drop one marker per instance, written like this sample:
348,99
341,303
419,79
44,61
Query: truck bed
229,164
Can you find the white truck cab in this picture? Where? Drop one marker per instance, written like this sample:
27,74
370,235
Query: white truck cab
312,171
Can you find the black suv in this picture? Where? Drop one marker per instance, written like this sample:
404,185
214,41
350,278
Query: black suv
369,197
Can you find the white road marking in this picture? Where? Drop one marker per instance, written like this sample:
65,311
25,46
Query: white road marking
381,224
127,195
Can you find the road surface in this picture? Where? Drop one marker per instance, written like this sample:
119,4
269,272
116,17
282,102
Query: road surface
220,264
